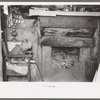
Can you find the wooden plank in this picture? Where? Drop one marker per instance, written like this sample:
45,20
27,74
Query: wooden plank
1,74
35,40
99,41
17,79
40,13
55,13
39,56
19,56
68,32
95,49
69,22
66,41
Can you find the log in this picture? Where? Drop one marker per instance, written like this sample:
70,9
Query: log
69,32
69,22
66,41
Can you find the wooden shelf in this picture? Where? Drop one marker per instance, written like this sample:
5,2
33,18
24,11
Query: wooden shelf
61,13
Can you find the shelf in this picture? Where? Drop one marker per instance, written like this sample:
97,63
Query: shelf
61,13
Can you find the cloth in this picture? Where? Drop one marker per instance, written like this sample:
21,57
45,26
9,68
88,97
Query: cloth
18,68
97,75
23,70
35,75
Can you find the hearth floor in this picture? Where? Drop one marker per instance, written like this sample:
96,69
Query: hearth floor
63,75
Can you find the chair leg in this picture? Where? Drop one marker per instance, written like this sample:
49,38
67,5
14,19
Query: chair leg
29,70
40,73
5,78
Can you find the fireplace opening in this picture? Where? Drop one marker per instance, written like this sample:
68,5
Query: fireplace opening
63,64
66,57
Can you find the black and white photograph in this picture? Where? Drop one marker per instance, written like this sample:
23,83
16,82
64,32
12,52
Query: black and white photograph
50,43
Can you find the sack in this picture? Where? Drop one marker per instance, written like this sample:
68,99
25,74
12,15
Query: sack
16,51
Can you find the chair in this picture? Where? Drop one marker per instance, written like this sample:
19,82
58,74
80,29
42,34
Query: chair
14,68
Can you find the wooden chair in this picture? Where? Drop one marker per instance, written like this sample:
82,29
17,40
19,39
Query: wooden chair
7,60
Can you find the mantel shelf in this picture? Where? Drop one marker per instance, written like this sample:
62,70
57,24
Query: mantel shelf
61,13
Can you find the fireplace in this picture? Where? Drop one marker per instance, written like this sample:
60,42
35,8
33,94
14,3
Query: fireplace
67,46
69,51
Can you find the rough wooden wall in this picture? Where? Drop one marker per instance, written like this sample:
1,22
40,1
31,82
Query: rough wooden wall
1,76
98,41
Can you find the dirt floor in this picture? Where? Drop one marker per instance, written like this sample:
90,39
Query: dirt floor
58,75
64,75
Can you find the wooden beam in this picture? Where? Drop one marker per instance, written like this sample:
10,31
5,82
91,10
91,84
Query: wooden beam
99,41
66,41
39,50
68,32
17,79
69,22
62,13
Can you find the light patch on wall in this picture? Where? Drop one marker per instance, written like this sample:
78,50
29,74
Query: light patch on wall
6,9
